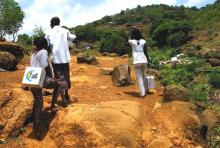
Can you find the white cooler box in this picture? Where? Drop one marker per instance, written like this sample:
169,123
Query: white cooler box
150,82
34,77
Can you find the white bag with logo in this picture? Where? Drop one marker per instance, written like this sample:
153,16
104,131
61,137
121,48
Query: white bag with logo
150,82
34,77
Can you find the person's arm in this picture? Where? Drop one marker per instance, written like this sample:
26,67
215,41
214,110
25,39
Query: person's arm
146,53
70,36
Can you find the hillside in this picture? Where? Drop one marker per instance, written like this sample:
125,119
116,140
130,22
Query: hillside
161,24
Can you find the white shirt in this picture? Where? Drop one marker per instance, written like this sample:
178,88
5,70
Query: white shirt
39,59
58,38
138,51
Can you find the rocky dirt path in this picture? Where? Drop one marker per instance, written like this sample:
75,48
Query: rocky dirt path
173,124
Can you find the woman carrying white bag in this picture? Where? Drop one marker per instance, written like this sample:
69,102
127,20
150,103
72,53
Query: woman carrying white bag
140,60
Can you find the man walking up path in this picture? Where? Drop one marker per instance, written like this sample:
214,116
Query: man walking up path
58,38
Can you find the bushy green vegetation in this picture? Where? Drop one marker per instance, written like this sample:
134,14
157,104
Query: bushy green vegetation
11,18
165,26
113,41
172,33
214,79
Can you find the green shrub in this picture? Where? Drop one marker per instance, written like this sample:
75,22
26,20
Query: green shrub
172,33
176,76
86,33
113,42
214,79
199,92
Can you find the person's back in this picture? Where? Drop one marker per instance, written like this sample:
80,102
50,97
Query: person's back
58,39
39,59
138,50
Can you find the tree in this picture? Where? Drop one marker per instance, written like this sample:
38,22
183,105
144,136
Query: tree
113,42
11,17
38,32
24,39
172,33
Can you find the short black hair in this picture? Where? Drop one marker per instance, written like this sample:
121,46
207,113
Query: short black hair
136,34
40,43
54,21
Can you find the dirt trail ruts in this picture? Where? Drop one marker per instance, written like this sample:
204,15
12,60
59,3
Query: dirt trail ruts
90,87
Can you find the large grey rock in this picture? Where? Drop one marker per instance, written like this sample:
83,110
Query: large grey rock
106,124
207,53
84,58
7,61
214,62
113,55
121,75
12,48
15,106
125,56
173,92
92,60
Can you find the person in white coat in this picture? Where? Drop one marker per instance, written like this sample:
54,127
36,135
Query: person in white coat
58,38
140,60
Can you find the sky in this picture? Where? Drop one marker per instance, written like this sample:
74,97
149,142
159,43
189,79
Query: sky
80,12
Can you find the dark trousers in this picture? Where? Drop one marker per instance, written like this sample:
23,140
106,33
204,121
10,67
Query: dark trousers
62,74
38,98
38,104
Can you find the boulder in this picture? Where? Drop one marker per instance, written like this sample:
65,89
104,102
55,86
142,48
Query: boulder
7,61
125,56
121,75
106,124
174,92
91,60
15,106
106,71
112,54
174,124
12,48
216,53
214,62
105,53
206,53
82,58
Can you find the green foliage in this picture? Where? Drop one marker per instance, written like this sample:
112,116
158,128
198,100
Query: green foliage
172,33
199,92
26,42
24,39
156,56
38,32
11,17
113,42
214,79
87,33
179,75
